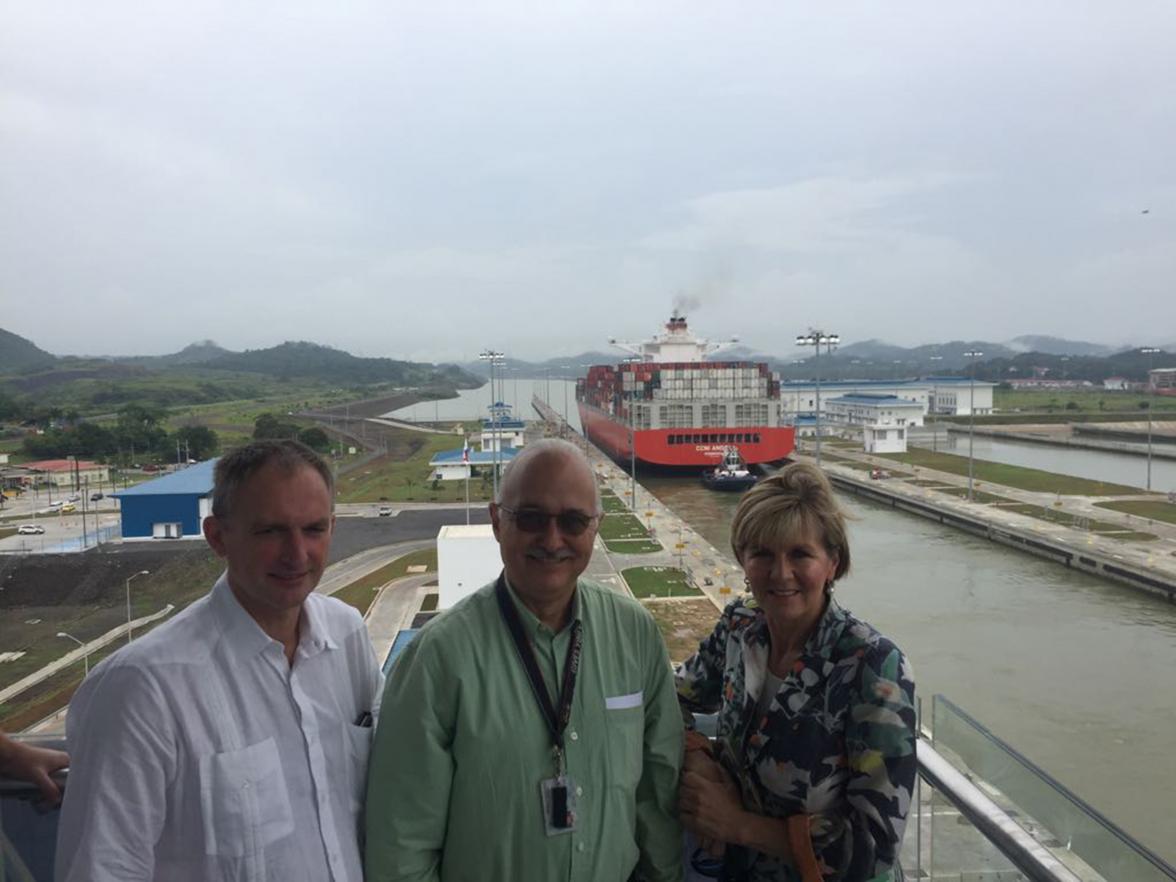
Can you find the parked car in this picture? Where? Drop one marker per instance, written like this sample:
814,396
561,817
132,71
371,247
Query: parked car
385,511
68,507
94,497
75,498
27,529
57,503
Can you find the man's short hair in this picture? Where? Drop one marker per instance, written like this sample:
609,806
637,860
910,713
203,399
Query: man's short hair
513,472
234,469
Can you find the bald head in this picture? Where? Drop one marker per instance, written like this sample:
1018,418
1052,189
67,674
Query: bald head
548,452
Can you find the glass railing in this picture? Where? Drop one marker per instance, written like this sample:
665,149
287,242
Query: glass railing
1070,830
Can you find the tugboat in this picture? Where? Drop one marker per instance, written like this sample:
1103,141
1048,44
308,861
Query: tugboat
731,474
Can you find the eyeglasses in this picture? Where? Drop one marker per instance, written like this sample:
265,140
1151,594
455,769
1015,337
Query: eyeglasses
533,520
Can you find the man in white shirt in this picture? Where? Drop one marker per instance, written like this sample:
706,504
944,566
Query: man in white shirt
231,743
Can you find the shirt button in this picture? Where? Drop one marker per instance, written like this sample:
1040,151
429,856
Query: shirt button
579,791
575,736
579,846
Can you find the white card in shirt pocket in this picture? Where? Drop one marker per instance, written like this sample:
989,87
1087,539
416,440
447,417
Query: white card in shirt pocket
624,702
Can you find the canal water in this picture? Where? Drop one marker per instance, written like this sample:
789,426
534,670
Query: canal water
1117,468
1073,671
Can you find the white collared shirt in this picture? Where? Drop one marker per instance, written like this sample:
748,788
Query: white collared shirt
198,753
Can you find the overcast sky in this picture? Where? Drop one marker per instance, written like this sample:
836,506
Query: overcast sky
424,180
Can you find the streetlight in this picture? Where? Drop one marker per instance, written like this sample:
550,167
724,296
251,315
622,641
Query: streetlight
85,657
973,354
132,577
934,406
1150,352
633,359
494,358
815,339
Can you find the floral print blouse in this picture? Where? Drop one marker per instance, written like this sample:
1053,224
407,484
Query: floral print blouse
836,744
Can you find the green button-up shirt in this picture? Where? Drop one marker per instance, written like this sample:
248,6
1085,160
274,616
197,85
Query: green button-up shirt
461,749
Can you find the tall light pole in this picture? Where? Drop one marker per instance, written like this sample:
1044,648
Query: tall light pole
973,354
132,577
85,656
1150,352
934,406
816,339
632,443
494,358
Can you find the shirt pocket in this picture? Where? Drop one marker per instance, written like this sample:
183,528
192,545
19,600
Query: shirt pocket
358,741
243,800
626,742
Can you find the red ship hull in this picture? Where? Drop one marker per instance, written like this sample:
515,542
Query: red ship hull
691,448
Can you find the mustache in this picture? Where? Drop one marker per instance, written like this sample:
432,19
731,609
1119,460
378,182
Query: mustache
542,554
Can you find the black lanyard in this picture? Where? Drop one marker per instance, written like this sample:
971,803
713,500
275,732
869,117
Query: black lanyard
557,720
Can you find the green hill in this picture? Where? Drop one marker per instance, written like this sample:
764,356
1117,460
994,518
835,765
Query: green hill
303,359
18,354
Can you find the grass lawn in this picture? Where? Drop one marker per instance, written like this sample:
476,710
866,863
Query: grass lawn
622,526
1076,401
633,546
684,624
403,474
5,532
1157,510
611,503
1021,478
659,582
180,581
362,591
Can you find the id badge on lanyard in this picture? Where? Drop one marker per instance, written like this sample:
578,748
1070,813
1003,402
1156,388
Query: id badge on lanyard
557,794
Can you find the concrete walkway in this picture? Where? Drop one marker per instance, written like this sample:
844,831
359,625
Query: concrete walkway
1158,554
394,609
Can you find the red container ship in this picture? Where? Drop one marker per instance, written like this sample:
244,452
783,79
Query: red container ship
681,410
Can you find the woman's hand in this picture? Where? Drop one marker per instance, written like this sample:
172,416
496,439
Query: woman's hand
709,803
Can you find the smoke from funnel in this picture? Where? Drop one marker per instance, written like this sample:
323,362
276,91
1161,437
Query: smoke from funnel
685,305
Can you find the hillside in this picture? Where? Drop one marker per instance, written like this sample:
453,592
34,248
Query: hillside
311,360
18,354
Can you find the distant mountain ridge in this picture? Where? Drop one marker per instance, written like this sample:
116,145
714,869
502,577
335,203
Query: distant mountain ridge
304,359
19,354
28,370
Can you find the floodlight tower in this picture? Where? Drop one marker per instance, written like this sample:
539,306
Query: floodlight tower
817,339
972,354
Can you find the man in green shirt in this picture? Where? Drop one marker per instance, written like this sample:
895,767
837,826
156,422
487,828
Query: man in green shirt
531,733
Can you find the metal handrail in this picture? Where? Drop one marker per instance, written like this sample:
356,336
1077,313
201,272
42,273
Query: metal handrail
1026,853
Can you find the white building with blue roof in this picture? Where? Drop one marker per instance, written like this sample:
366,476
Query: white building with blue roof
950,396
171,507
882,419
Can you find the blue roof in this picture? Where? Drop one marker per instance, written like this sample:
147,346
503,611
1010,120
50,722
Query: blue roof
875,400
477,457
883,384
503,424
195,480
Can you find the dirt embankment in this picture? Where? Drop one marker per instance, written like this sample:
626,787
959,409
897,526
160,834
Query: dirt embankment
94,577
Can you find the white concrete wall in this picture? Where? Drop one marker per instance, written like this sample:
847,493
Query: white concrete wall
467,558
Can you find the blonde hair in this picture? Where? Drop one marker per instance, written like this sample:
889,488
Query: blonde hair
796,501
